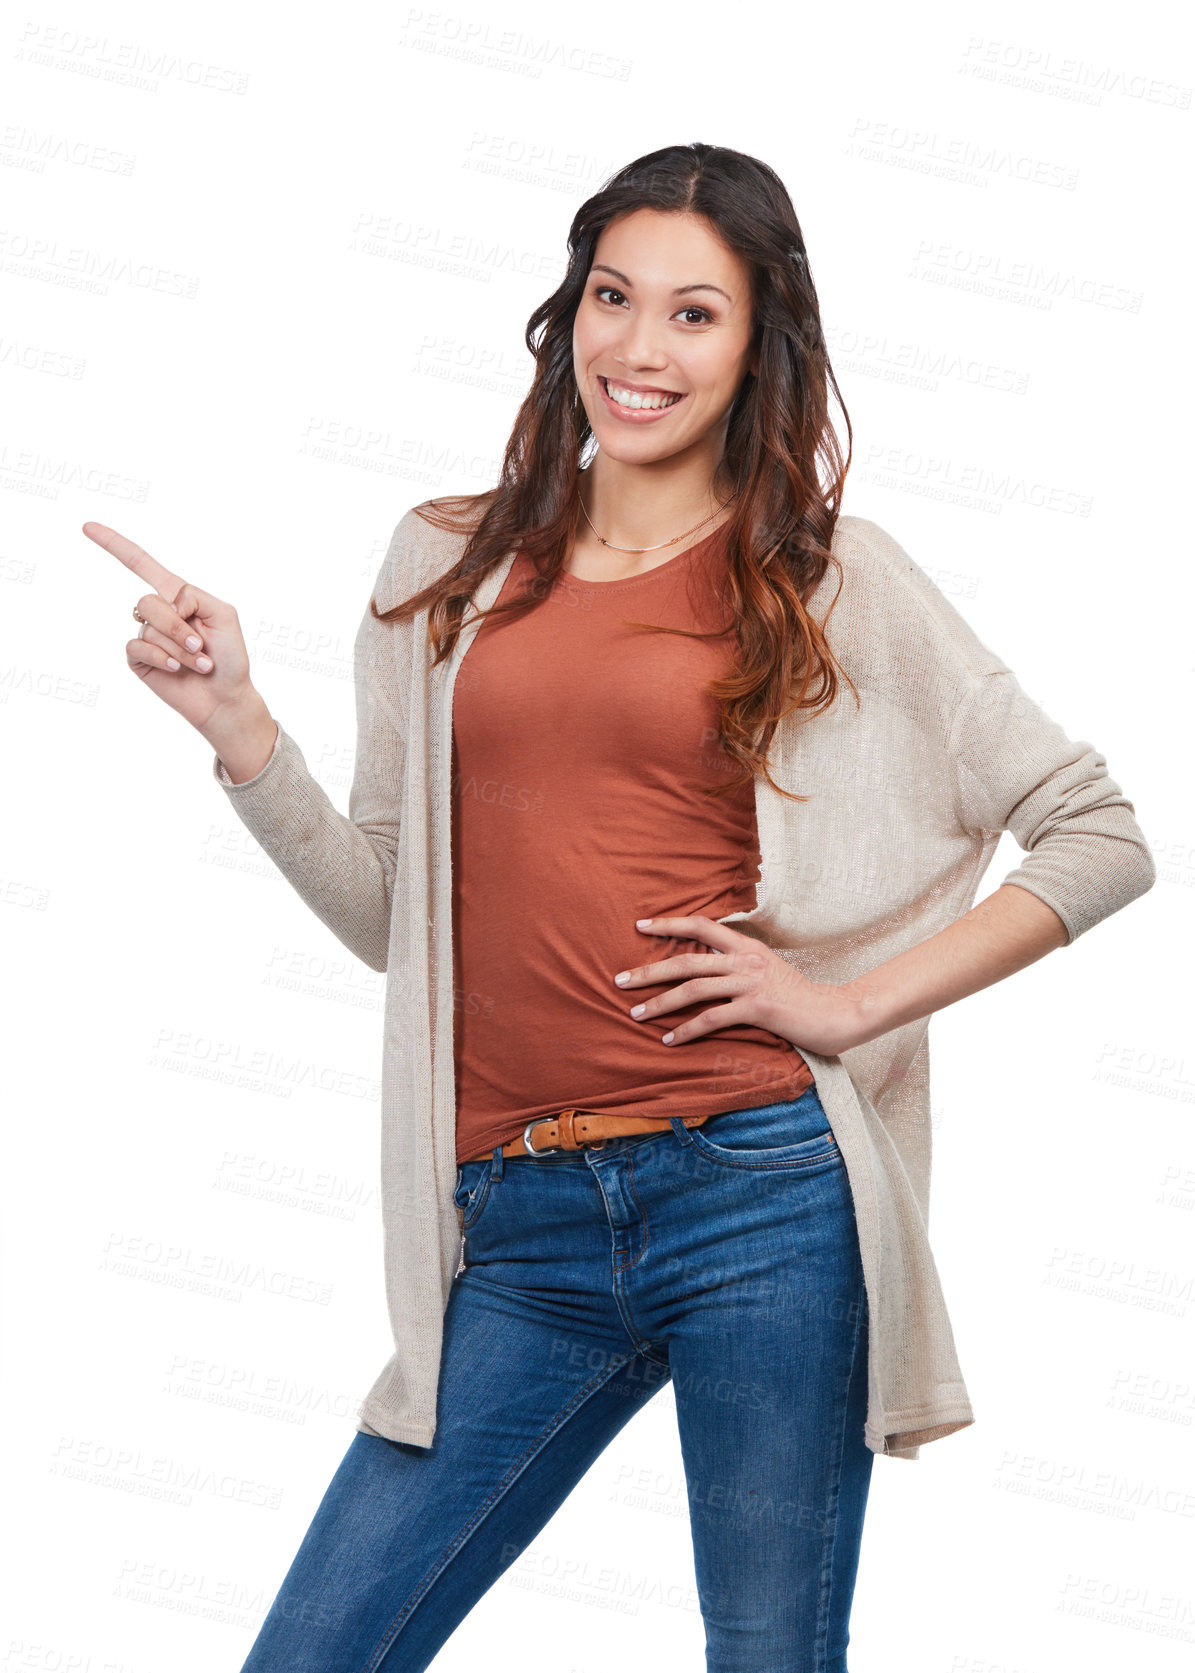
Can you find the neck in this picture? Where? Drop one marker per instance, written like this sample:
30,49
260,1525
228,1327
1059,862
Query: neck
643,506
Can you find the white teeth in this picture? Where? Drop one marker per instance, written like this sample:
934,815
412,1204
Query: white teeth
630,398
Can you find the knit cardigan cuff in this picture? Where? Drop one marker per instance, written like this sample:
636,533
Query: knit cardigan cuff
260,780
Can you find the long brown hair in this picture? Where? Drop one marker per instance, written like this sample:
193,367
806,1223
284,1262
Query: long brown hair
778,536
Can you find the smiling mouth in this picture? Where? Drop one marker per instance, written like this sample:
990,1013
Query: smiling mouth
631,401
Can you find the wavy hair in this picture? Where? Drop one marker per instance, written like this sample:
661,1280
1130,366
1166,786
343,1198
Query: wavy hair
779,438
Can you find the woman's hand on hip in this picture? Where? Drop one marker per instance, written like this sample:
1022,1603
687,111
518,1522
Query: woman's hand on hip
752,984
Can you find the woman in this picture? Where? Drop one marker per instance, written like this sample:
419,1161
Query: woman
626,1143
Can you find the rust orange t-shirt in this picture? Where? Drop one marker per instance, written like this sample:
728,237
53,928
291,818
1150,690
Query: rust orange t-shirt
581,747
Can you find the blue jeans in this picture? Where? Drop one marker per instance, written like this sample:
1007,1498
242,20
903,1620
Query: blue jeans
723,1259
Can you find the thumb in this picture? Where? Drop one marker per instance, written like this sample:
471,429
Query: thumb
190,600
185,601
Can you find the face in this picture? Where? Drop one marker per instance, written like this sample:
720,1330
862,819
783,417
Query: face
666,313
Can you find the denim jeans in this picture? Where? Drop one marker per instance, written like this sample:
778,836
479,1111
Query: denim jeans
722,1259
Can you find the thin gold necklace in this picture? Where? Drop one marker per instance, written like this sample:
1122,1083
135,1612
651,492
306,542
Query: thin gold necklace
662,544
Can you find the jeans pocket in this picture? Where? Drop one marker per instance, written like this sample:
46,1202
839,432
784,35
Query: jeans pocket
795,1134
472,1190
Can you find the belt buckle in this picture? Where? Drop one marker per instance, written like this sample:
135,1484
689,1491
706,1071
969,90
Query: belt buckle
549,1150
558,1149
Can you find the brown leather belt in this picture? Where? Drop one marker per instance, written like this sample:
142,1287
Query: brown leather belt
575,1128
572,1129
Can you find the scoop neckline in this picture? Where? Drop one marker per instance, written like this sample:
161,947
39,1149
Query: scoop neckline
647,574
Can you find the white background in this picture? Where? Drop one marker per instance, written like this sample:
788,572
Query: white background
199,347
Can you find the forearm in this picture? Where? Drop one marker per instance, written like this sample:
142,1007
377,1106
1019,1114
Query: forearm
341,866
1006,931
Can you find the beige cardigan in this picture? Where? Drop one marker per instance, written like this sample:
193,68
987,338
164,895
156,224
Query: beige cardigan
908,795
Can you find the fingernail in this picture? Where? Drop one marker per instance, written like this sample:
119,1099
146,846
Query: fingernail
623,976
203,663
640,923
667,1038
638,1010
172,662
193,642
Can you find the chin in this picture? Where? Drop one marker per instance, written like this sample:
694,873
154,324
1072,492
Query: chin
643,453
634,446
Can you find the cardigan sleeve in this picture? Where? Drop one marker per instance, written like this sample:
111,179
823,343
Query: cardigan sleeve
1017,770
342,866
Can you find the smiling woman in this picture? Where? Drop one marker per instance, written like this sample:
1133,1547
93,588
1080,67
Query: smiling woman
655,1096
656,436
708,343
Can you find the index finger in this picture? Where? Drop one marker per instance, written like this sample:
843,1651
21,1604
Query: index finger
136,558
694,927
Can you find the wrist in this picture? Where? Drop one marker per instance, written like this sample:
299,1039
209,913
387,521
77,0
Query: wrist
864,1008
243,734
830,1017
855,1012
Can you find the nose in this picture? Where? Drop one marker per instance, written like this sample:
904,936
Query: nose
639,349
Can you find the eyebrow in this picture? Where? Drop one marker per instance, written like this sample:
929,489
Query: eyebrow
681,290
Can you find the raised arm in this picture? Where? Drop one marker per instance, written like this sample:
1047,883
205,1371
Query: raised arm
342,866
190,652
